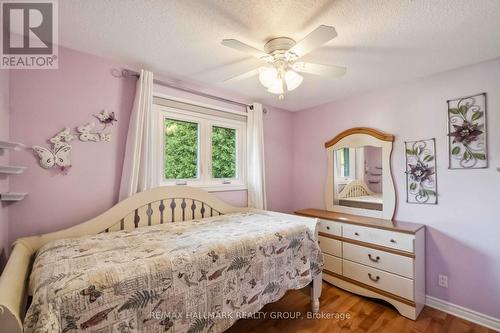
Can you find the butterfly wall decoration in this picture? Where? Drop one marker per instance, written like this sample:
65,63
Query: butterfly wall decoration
106,118
59,155
87,133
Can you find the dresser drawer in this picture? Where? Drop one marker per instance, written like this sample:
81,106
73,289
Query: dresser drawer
385,261
333,264
330,246
330,227
381,237
391,283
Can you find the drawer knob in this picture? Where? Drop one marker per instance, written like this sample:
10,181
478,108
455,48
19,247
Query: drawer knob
393,240
376,259
327,228
374,279
356,233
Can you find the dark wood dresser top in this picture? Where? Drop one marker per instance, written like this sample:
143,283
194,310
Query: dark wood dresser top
405,227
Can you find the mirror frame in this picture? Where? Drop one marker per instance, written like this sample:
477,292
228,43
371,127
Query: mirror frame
355,138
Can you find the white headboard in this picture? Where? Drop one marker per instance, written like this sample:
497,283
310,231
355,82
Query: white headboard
356,188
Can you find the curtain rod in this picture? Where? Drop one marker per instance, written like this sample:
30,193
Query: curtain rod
129,73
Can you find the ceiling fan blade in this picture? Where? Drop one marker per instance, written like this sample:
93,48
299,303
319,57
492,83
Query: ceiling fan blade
314,39
317,69
242,47
243,76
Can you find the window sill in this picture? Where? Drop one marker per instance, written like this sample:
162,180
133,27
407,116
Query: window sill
214,188
224,188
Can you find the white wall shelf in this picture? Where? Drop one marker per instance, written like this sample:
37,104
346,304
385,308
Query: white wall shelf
11,145
12,196
12,170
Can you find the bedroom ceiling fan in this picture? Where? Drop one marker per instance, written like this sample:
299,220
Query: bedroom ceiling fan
281,54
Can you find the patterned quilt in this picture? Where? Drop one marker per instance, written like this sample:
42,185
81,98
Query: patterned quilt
198,276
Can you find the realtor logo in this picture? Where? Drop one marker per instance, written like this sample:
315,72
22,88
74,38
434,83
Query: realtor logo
29,34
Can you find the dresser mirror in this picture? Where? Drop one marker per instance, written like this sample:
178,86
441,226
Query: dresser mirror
359,177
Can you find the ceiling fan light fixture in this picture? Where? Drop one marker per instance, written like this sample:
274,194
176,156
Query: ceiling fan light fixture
276,87
293,80
282,72
268,76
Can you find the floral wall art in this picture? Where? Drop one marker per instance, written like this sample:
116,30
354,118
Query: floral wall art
59,154
421,183
467,132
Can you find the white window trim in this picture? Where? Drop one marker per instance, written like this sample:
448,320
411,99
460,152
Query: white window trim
205,123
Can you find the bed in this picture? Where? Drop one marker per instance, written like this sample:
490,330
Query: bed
132,269
357,194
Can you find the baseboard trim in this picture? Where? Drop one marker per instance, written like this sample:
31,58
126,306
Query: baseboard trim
464,313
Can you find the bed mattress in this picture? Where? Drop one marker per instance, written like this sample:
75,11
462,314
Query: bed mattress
374,202
196,276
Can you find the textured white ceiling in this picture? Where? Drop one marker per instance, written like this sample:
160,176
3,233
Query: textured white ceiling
381,42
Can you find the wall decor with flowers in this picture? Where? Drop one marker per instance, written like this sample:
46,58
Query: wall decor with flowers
59,154
421,181
467,132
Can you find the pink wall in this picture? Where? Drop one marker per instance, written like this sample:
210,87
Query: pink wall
4,160
42,103
373,158
278,137
45,101
463,229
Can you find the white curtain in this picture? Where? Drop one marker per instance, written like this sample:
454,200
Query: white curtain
138,172
256,176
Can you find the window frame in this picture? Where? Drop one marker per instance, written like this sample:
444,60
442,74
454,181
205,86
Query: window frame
185,118
205,123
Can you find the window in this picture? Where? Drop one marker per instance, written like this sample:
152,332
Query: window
223,152
201,146
181,149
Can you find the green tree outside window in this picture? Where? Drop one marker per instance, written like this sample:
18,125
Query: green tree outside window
181,149
223,152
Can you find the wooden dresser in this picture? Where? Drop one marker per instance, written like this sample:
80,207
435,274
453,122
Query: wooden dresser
374,257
